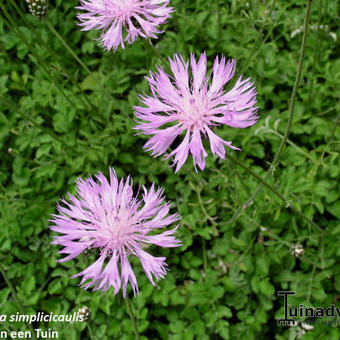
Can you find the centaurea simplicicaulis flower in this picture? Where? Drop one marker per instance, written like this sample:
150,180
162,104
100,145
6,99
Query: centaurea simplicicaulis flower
105,215
123,20
192,106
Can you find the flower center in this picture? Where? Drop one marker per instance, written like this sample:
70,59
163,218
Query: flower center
114,232
126,8
194,111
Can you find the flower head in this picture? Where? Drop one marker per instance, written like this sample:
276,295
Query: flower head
137,17
105,215
192,106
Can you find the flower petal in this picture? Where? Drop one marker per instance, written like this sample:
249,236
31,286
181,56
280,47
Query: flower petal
181,152
197,150
128,275
217,144
155,266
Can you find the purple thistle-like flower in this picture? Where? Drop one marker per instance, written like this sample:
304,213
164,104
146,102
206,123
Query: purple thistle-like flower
136,17
192,106
106,215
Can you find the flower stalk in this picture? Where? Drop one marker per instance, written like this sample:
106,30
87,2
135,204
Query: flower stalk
132,317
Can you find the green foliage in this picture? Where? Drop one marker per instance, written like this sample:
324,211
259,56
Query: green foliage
58,121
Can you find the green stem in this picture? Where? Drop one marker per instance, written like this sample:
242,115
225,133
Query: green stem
289,124
251,244
310,286
332,108
160,57
90,331
317,49
232,178
274,132
272,189
176,21
15,297
330,140
132,317
259,41
68,48
33,122
78,60
12,25
296,84
201,204
204,254
84,98
269,233
336,123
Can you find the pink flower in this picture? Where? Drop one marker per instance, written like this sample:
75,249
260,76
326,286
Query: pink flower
137,17
106,216
192,106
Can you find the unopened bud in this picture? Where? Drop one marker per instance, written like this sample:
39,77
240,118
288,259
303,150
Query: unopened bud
296,250
37,7
86,312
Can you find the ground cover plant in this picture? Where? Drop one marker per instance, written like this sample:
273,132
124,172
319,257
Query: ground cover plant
262,220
